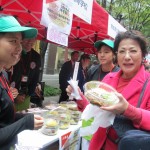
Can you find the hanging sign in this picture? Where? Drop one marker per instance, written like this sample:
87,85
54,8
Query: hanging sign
57,14
81,8
114,27
56,36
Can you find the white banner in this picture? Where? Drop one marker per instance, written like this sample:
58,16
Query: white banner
57,14
81,8
56,36
114,27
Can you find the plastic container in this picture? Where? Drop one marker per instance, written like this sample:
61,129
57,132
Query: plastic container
75,117
64,121
100,93
72,105
51,126
63,104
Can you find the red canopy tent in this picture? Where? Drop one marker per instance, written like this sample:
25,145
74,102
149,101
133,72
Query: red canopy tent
28,13
83,35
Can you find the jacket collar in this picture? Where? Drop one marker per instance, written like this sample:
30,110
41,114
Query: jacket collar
135,84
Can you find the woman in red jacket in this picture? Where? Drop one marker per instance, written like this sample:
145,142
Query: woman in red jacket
131,49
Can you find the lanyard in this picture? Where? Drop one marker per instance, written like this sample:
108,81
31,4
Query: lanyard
9,73
6,87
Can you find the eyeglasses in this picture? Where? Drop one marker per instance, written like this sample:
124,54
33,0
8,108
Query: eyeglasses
129,52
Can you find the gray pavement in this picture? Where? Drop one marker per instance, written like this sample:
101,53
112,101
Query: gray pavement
50,100
52,80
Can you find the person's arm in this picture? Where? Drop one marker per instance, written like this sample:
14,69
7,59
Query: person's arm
29,121
35,78
80,103
139,117
63,75
134,114
9,132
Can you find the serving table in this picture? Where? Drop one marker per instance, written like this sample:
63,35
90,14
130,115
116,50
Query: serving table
36,140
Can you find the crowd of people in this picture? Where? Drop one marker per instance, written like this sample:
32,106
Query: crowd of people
121,64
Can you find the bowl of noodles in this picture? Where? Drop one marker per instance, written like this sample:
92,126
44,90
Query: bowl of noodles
100,93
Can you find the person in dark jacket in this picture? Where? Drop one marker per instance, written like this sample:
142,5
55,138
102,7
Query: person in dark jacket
65,75
26,75
82,72
106,57
11,34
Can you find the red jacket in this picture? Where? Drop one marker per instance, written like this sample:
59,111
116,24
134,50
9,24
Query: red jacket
131,93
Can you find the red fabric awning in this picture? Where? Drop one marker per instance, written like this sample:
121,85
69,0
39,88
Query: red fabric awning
28,13
83,35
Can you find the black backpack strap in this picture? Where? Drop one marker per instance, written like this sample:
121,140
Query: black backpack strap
142,92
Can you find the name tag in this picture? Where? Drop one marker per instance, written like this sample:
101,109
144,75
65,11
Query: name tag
24,79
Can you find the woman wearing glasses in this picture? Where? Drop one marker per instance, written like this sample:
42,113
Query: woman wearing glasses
131,48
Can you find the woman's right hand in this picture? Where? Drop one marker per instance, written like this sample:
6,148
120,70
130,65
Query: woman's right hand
83,102
38,121
69,90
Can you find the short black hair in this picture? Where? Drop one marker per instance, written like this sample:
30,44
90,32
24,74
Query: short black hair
74,52
85,56
3,33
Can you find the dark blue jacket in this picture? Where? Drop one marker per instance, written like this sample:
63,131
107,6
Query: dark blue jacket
81,77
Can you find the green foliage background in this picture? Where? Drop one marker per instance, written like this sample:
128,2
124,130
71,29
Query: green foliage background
132,14
51,91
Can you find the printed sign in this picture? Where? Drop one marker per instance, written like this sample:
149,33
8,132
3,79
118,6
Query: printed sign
81,8
70,141
57,14
55,36
114,27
